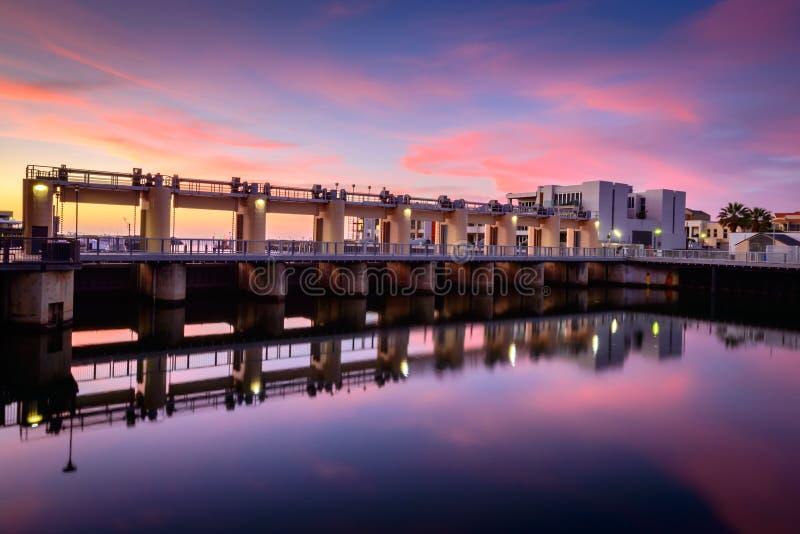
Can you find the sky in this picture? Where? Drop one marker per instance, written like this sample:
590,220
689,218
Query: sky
469,99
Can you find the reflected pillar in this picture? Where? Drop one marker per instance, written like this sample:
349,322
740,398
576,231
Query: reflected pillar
448,346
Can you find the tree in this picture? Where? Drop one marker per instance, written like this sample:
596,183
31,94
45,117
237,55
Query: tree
760,220
734,216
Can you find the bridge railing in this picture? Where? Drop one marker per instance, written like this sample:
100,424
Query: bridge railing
106,246
49,250
714,256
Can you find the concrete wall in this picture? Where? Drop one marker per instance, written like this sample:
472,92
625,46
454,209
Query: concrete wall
41,298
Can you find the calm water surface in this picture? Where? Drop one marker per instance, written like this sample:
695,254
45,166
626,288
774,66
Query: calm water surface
602,414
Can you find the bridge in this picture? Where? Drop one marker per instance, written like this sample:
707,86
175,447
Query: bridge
563,243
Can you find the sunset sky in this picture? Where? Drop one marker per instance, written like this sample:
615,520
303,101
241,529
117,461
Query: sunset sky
470,99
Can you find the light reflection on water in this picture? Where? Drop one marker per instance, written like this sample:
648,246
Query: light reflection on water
545,417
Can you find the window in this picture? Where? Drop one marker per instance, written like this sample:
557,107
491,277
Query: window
724,233
715,232
631,200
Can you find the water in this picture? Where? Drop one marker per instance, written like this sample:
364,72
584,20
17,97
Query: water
613,411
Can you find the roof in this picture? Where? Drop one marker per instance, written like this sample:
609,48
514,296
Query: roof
698,214
783,239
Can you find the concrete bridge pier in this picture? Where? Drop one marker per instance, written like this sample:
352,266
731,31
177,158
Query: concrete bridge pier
398,229
344,279
476,278
407,278
400,309
151,385
567,273
156,215
253,214
335,311
161,326
37,212
326,365
329,224
448,346
266,279
499,343
38,298
247,366
163,282
516,277
481,306
260,316
393,355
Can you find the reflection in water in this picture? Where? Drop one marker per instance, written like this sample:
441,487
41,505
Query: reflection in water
166,366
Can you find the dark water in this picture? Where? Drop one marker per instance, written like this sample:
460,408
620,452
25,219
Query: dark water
612,411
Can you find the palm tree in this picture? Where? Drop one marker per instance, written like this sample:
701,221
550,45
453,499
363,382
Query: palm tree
733,216
760,220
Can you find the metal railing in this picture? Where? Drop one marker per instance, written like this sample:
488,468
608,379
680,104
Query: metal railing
49,250
714,256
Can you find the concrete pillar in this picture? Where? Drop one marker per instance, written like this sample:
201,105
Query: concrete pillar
326,363
410,278
260,316
506,230
339,312
471,278
254,229
404,310
590,234
161,327
518,277
571,238
577,273
344,279
392,355
39,298
247,370
164,282
157,213
456,221
551,231
332,217
399,219
152,385
448,346
263,279
532,232
37,210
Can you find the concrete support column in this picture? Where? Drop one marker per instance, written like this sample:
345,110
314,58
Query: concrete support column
404,310
326,363
456,221
160,327
331,215
263,279
551,231
518,277
338,312
570,237
506,230
254,229
409,278
532,233
344,279
471,278
578,273
399,219
448,346
157,208
164,282
590,234
39,298
247,375
260,316
37,210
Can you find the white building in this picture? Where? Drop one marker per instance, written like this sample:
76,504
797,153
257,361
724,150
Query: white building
651,218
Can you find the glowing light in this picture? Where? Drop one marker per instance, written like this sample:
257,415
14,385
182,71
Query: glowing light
595,344
404,368
255,388
260,202
514,219
34,419
656,328
617,232
657,231
40,188
407,213
614,326
597,225
512,354
703,235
